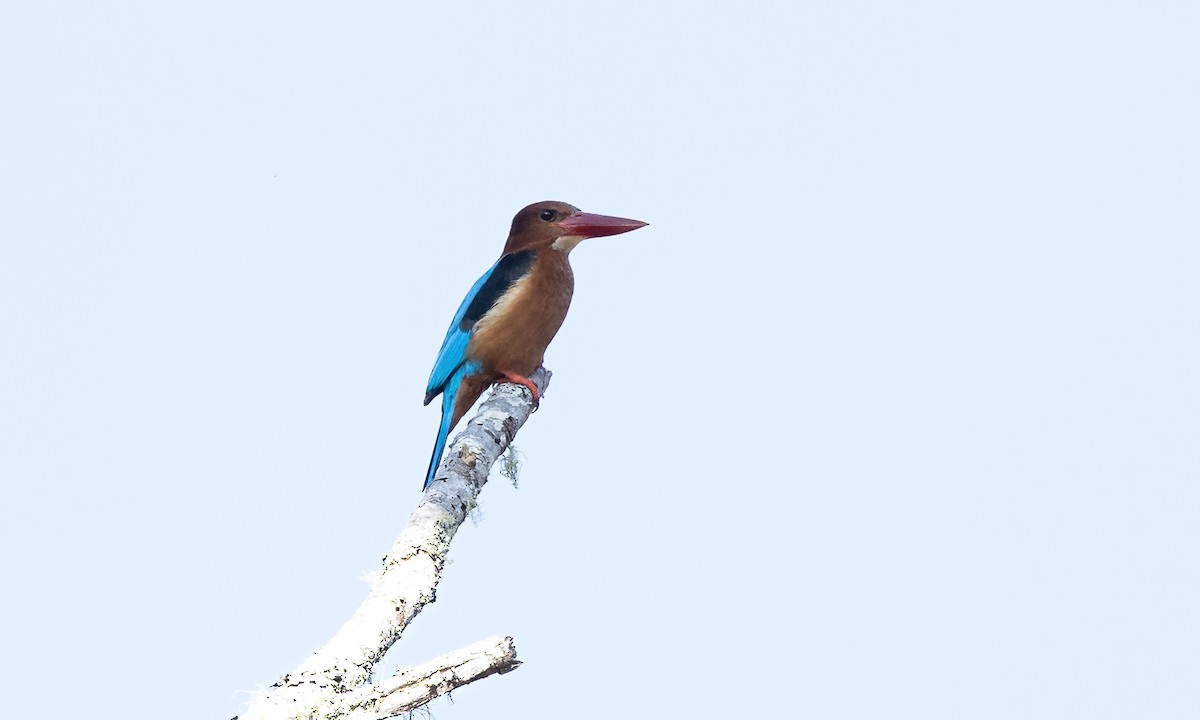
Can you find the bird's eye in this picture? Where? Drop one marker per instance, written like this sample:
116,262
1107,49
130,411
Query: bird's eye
546,215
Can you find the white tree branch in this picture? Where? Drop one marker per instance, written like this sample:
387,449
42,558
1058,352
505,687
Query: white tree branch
334,682
412,687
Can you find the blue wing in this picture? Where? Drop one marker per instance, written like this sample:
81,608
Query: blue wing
452,364
484,294
454,348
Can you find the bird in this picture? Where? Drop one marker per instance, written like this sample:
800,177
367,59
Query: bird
512,312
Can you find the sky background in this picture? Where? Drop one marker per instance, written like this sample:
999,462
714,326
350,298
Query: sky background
892,411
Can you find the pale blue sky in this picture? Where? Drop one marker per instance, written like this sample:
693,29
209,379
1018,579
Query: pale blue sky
891,412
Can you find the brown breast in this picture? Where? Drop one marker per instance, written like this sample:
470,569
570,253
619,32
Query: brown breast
513,335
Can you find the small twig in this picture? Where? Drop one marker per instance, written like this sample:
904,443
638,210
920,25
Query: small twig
412,687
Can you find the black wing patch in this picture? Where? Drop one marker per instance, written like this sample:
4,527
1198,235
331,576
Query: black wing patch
509,270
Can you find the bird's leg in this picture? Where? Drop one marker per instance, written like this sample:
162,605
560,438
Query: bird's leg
524,381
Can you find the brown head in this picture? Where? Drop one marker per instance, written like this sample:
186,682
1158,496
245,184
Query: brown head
559,226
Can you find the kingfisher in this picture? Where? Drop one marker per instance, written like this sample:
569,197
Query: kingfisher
512,312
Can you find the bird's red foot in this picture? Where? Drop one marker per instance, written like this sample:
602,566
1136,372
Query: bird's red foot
523,381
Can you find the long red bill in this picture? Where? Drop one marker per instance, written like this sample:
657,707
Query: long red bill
587,225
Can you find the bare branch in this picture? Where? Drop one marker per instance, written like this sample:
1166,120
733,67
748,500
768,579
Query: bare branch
325,685
412,687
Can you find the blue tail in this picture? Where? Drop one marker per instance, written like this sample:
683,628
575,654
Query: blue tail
449,395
